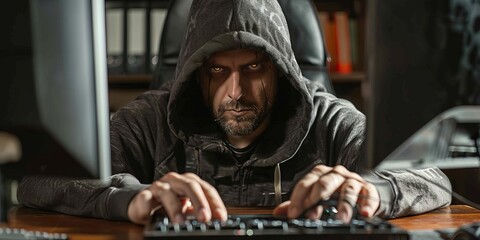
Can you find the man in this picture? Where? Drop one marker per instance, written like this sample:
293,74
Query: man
238,126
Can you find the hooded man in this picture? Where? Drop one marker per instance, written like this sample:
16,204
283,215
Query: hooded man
238,126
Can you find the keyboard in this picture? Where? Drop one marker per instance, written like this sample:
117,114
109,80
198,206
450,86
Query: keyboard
7,233
268,227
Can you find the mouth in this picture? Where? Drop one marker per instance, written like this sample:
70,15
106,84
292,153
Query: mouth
238,112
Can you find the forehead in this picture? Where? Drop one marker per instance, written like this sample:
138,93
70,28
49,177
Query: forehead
237,57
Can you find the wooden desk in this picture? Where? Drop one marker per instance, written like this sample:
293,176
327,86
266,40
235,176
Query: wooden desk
79,228
449,217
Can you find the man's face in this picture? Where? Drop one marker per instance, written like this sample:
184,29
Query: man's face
239,86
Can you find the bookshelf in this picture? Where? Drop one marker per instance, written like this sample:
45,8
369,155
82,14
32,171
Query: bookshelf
124,87
133,34
349,77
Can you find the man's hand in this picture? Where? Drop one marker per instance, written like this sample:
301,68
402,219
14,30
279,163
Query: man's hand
179,195
320,184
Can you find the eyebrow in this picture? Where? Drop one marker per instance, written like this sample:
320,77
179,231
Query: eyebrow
262,59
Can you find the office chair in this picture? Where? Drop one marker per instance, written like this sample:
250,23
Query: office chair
305,34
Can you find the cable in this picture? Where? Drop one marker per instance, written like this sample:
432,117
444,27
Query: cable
475,136
477,146
465,200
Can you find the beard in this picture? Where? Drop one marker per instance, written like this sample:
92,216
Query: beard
240,125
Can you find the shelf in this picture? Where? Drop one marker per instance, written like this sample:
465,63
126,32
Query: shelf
118,98
134,82
354,77
129,79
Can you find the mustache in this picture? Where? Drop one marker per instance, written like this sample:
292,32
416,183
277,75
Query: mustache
235,105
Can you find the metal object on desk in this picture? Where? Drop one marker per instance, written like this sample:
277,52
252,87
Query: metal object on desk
10,151
444,142
10,148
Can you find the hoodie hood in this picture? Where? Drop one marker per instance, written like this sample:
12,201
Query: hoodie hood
220,25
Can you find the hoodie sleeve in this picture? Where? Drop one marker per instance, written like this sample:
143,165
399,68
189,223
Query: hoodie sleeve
133,131
410,191
91,198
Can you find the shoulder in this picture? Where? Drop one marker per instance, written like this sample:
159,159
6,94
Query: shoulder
332,108
331,112
338,122
148,110
147,102
328,102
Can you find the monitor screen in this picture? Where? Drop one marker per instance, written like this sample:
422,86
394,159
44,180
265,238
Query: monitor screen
53,92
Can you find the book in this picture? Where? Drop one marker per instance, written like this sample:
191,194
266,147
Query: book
328,29
354,42
342,36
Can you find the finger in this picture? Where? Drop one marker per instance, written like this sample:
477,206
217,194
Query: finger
321,169
325,187
314,213
302,189
185,185
281,209
300,193
141,207
347,174
369,200
187,207
219,211
349,192
163,193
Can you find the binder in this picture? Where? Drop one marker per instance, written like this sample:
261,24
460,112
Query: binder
114,27
134,31
136,39
157,18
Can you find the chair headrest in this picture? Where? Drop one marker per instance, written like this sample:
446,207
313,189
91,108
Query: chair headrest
173,32
301,15
303,23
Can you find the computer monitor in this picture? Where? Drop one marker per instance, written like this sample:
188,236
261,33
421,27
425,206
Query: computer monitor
53,89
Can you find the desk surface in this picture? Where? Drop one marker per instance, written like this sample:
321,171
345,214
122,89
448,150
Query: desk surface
79,228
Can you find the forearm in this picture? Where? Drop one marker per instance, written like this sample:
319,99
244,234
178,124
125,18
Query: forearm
93,198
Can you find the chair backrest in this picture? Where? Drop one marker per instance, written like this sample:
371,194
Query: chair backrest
305,34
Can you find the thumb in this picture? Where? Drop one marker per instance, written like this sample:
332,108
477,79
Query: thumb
141,206
281,209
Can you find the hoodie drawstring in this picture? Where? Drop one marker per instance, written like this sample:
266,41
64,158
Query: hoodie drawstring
277,183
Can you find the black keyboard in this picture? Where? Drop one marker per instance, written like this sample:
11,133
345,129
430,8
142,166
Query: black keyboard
268,227
7,233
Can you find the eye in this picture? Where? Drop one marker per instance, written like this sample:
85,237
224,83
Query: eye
216,69
254,66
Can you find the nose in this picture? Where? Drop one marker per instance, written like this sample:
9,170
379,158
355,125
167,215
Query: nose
235,90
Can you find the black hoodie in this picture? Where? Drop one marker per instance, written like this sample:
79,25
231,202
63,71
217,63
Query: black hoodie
170,130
